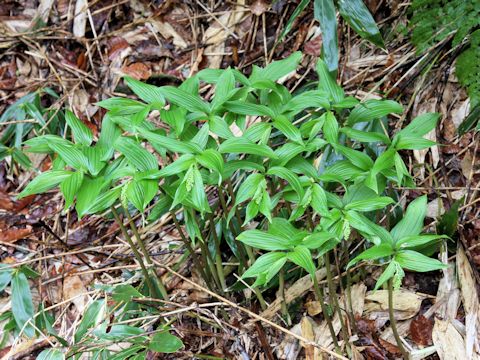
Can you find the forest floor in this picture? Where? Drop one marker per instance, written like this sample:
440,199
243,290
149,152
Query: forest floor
82,57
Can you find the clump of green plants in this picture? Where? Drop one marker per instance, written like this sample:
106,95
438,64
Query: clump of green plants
23,117
436,21
275,182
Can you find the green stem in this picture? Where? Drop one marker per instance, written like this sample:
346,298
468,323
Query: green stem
137,255
393,322
333,298
190,249
218,255
281,289
320,296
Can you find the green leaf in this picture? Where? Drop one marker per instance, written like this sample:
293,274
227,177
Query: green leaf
470,121
373,253
289,176
22,305
91,318
359,18
364,136
264,241
417,240
263,264
328,83
330,128
315,240
87,194
211,159
325,14
373,109
125,293
287,128
149,93
72,155
174,168
141,192
186,100
361,223
413,143
241,145
136,155
104,201
164,342
249,187
122,106
421,125
170,144
5,276
305,100
51,354
199,196
387,274
412,221
120,332
224,88
278,69
81,133
246,108
288,26
45,181
357,158
302,257
414,261
19,157
319,200
448,223
369,204
69,187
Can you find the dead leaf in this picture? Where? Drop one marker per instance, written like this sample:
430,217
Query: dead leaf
421,330
258,7
73,288
313,307
392,349
308,333
138,71
405,303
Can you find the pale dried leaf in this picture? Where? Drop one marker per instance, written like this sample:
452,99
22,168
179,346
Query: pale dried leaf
73,288
80,19
448,341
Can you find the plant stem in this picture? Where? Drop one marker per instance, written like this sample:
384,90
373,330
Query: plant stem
159,283
393,322
190,249
320,295
281,289
137,255
333,298
218,255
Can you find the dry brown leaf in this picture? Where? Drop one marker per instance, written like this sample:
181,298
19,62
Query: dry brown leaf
435,208
358,292
289,348
448,341
307,326
73,288
313,307
138,70
421,330
470,301
167,31
405,303
258,7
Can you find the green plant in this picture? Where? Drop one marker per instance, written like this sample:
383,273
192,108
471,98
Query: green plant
354,12
290,176
24,116
435,21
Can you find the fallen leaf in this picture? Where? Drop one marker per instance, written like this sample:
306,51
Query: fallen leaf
448,341
138,71
80,19
421,330
73,288
258,7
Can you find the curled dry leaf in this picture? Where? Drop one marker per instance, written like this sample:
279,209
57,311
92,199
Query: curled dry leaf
405,303
138,70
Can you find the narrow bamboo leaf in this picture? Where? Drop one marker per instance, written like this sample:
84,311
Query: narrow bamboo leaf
45,181
302,257
224,87
375,203
288,26
211,159
373,253
413,143
414,261
361,223
81,133
5,276
418,240
373,109
356,157
245,108
325,14
387,274
264,241
278,69
105,200
241,145
421,125
90,319
412,221
22,305
356,13
122,106
86,195
327,82
249,187
72,155
287,128
69,187
263,264
364,136
141,192
51,354
140,158
170,144
315,240
184,99
149,93
289,176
